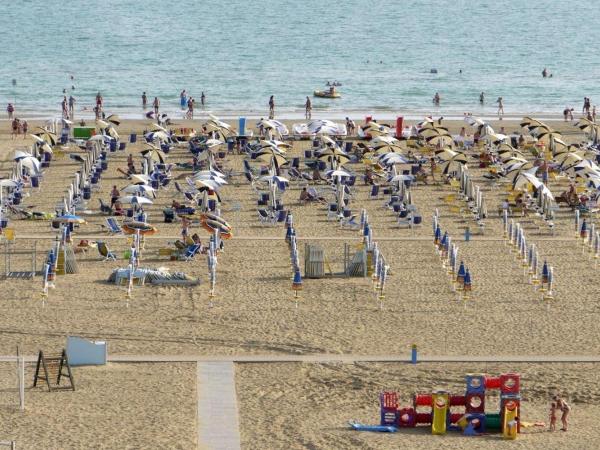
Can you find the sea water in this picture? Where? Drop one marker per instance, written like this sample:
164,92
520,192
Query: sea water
240,52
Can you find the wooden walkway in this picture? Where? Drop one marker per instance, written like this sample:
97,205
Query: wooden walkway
218,425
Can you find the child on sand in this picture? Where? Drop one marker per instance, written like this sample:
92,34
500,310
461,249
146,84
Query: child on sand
553,409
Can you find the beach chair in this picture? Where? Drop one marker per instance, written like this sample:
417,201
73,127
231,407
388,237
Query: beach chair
374,192
281,215
113,226
350,223
264,216
332,211
191,251
105,253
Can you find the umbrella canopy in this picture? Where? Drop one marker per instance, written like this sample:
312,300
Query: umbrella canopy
9,183
135,199
112,132
69,218
206,184
446,154
19,154
102,124
393,158
454,164
142,228
524,179
114,119
139,189
154,155
30,163
267,156
154,127
140,179
46,135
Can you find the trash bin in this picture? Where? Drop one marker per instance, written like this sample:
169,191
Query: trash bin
87,192
35,182
230,145
113,145
122,145
132,138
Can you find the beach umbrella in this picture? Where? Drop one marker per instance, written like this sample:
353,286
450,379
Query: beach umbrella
114,119
440,140
445,154
141,189
19,154
140,179
474,121
154,155
98,138
112,132
212,172
454,164
46,135
526,178
135,199
30,163
213,143
135,227
102,124
460,275
268,156
393,158
431,131
69,218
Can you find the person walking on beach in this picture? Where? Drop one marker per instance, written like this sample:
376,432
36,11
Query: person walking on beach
308,108
10,109
24,127
15,128
350,127
114,196
586,105
271,107
481,98
144,100
183,100
202,99
552,417
156,105
566,409
500,102
71,107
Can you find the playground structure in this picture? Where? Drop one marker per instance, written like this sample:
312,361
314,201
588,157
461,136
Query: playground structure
466,412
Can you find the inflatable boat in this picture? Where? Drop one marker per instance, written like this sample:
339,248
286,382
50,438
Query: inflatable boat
327,94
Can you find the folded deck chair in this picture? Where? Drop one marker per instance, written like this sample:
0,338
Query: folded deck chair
113,226
106,254
264,216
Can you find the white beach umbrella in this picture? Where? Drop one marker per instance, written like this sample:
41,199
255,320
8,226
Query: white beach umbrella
133,199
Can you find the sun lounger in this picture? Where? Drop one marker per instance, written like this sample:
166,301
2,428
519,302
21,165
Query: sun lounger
113,226
106,254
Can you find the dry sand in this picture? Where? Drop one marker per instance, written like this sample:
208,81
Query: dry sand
254,311
300,406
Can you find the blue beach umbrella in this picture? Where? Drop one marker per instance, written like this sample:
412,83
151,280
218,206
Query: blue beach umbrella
583,231
545,273
297,282
437,235
460,276
467,281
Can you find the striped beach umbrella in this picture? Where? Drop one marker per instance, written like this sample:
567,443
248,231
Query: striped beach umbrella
297,281
545,272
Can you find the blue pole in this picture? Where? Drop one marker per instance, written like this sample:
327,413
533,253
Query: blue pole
413,355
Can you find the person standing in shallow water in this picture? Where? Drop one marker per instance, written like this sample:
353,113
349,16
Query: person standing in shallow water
481,98
308,108
202,99
144,100
272,107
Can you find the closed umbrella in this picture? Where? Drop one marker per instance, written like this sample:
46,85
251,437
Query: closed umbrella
114,119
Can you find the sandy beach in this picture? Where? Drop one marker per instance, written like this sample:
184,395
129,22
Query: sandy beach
254,312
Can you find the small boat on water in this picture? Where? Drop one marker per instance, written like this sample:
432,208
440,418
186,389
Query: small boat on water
327,94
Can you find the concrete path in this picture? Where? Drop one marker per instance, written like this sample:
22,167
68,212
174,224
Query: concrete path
218,425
